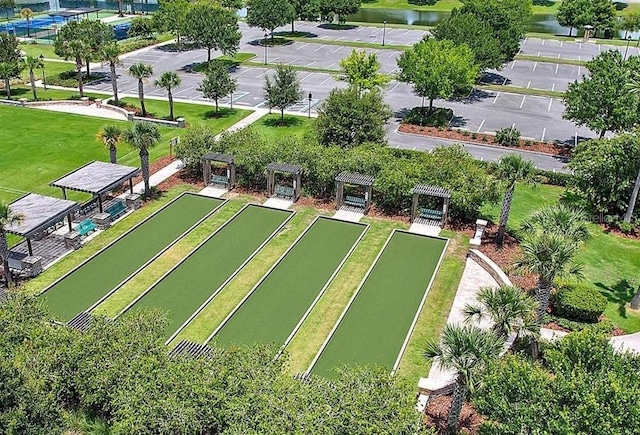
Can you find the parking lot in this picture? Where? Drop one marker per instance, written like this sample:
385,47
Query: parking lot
535,75
571,50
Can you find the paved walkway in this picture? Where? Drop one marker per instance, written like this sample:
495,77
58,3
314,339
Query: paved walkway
349,216
78,109
425,230
279,203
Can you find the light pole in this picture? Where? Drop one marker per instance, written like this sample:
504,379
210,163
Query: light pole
44,83
384,31
265,48
627,47
310,97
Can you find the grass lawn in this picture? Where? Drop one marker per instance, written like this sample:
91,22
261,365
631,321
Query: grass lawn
40,49
610,263
270,127
280,301
95,279
193,281
374,328
24,91
539,6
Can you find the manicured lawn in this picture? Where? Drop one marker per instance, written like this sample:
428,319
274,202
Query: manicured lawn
96,278
40,49
610,263
269,126
280,301
539,6
24,91
39,146
193,281
376,324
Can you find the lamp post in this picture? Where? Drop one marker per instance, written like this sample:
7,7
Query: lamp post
265,48
310,97
384,31
44,83
627,47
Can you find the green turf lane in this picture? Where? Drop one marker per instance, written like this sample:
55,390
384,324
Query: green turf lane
191,283
95,278
281,299
375,326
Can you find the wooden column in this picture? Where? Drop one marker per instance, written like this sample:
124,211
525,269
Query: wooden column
414,207
297,183
64,193
339,194
100,203
368,193
69,222
231,168
131,186
445,211
206,172
29,248
270,183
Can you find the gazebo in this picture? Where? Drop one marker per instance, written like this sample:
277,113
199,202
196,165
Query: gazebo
73,13
96,178
275,189
213,164
430,214
360,201
39,213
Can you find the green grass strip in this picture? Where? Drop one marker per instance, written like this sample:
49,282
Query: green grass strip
197,278
375,325
100,274
278,303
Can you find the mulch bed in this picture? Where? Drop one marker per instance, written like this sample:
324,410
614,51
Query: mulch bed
486,139
438,410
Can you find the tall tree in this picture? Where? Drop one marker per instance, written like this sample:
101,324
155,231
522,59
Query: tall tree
143,136
95,34
10,60
437,69
511,168
27,15
218,82
269,14
601,101
171,16
169,80
283,90
7,219
335,9
110,136
602,14
361,71
464,350
8,6
8,71
111,54
141,27
71,43
141,72
302,10
574,13
213,28
32,63
630,23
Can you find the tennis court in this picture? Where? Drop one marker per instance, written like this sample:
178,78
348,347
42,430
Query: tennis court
278,304
376,324
191,284
97,277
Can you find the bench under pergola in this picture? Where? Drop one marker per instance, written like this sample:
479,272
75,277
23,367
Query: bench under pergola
275,189
365,181
430,214
96,178
39,213
213,163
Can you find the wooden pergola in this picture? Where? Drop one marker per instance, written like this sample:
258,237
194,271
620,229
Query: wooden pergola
227,161
275,189
354,179
439,216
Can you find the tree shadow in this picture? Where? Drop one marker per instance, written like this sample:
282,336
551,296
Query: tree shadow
271,42
620,294
296,34
545,3
401,113
288,121
178,48
570,142
223,112
620,6
475,96
458,122
333,26
489,78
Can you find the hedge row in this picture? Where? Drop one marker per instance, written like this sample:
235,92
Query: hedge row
396,171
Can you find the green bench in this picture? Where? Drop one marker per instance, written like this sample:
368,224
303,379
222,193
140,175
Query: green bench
354,201
219,179
85,227
116,209
427,213
284,191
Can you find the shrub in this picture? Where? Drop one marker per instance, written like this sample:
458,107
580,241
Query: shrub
562,179
437,117
579,302
136,44
509,136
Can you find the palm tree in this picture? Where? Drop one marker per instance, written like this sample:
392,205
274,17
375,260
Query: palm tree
463,350
33,62
111,136
169,80
111,53
27,14
78,50
560,219
511,169
548,255
510,309
7,218
632,201
141,72
143,136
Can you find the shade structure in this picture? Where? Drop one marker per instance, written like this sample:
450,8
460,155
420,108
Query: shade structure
439,216
354,179
276,189
213,160
38,213
69,13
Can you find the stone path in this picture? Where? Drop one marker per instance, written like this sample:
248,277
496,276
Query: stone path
348,215
425,230
279,203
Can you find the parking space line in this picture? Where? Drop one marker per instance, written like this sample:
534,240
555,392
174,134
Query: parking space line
557,66
302,46
553,87
326,80
392,55
513,64
360,29
407,32
524,97
340,38
561,42
578,71
305,77
336,50
528,84
544,130
394,88
244,71
183,90
480,126
309,64
319,48
543,42
550,103
535,65
329,67
262,74
496,98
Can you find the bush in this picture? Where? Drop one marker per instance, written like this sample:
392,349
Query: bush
579,302
606,326
136,44
422,2
509,136
437,117
562,179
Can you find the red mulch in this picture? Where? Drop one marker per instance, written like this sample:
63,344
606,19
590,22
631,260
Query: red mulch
438,410
541,147
610,229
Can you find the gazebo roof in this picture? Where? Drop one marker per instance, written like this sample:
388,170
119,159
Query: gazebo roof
215,157
96,177
425,189
39,212
72,12
353,178
284,167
